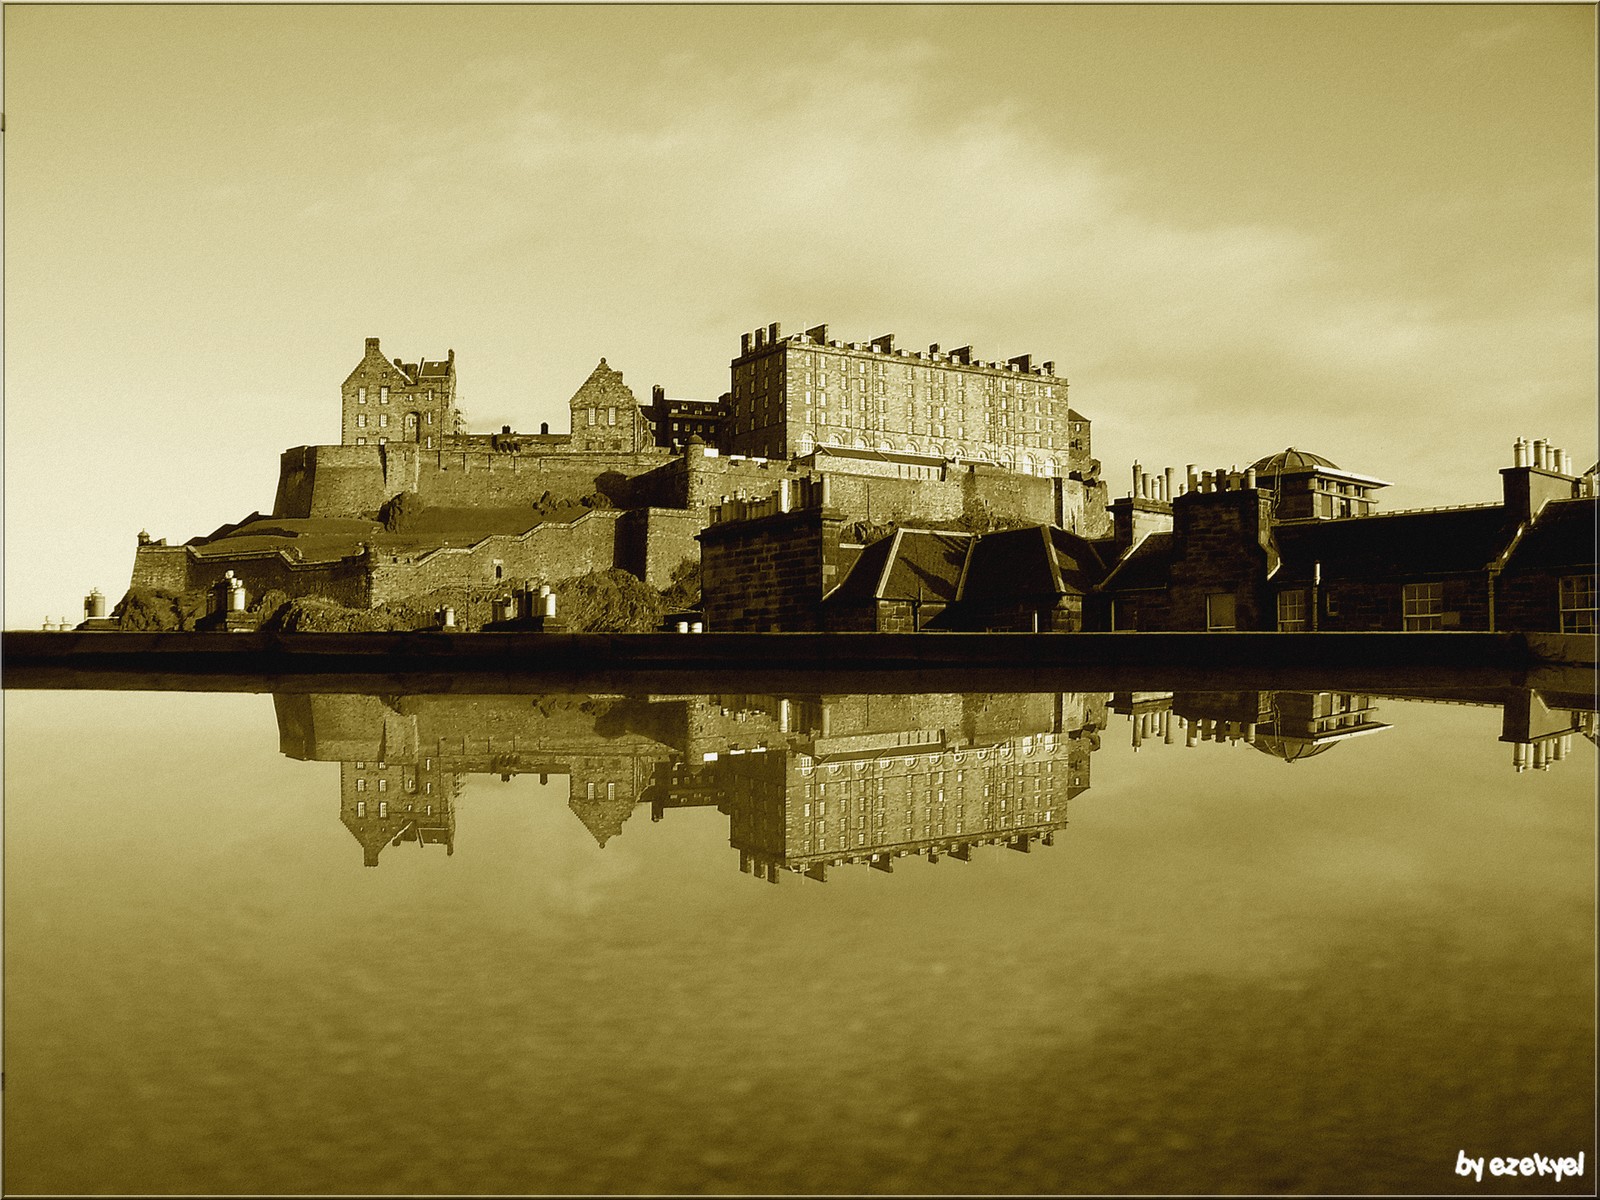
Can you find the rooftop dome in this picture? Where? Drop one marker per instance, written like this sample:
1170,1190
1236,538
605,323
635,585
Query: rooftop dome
1292,461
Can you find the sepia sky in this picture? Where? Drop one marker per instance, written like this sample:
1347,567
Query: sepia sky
1367,231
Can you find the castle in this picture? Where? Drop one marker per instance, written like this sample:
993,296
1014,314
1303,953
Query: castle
900,436
864,487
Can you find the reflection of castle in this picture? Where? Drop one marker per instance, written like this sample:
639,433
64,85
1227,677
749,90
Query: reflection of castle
888,777
812,782
806,782
1287,725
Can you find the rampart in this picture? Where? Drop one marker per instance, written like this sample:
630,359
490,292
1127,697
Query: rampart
183,569
355,481
554,550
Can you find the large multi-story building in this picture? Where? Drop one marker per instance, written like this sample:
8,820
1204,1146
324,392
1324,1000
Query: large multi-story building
792,395
384,401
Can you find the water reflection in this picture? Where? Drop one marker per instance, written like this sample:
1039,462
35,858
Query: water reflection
809,782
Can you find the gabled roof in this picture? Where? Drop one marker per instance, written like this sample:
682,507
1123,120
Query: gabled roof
1439,542
1562,535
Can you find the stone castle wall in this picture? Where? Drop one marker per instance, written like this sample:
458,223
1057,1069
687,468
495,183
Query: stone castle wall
181,569
545,553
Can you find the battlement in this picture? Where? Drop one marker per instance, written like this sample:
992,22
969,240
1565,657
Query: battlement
764,340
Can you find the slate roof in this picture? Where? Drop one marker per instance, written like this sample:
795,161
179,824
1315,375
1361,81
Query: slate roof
1449,541
911,563
1031,562
434,369
1144,566
1563,535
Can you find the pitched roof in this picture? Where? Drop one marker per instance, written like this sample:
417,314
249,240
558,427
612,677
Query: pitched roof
911,564
1145,565
1563,535
1035,561
434,369
1438,542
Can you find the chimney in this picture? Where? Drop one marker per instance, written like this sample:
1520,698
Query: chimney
1519,453
818,334
744,344
1527,489
761,339
1023,363
1048,368
372,345
884,343
772,333
658,394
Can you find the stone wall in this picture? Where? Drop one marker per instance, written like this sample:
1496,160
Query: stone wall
652,542
181,569
548,552
1223,544
769,573
330,481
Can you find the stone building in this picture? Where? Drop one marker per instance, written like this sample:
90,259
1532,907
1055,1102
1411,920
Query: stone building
386,401
1219,555
676,421
792,395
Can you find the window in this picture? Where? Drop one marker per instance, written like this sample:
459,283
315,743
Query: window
361,808
361,395
361,441
383,785
383,441
1422,605
361,420
361,785
1292,611
591,414
611,415
383,808
1577,604
383,420
430,415
1221,612
383,395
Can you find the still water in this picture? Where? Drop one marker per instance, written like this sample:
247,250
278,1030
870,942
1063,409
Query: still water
1075,942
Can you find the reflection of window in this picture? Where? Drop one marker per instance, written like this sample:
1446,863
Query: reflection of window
361,420
1577,604
1292,611
1422,604
1220,611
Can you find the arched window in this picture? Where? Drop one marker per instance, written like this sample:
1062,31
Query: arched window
807,443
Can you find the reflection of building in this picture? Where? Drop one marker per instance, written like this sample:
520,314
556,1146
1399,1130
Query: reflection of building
1287,725
1541,734
403,760
883,778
